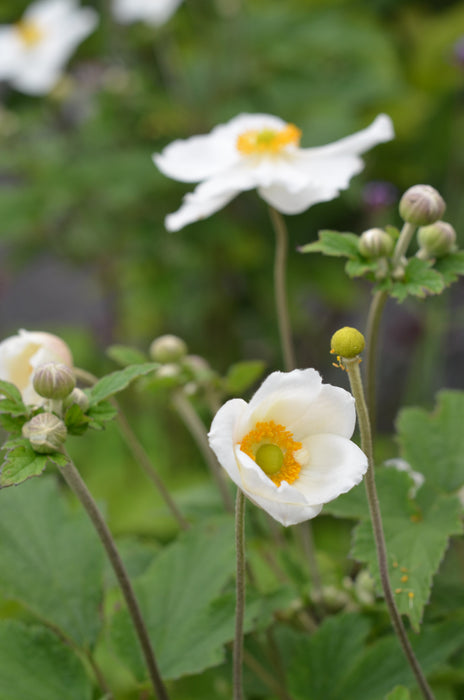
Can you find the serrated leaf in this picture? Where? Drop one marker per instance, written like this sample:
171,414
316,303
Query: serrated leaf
124,355
100,414
11,392
75,420
242,375
117,381
13,407
21,463
357,267
419,280
334,243
433,443
12,424
52,561
451,266
178,595
399,693
35,665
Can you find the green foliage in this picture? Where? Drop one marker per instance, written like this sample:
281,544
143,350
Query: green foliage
117,381
242,375
399,693
13,402
124,355
21,463
335,244
419,280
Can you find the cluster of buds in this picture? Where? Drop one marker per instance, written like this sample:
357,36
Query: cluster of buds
177,367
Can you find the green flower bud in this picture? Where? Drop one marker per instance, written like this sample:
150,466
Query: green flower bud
375,243
436,240
168,371
347,342
79,397
53,380
422,205
167,348
45,432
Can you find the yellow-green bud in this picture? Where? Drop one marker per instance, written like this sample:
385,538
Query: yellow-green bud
45,432
375,243
270,458
167,348
79,397
436,240
53,380
422,205
347,342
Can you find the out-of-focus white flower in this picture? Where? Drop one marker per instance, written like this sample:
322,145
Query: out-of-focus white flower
289,448
21,354
262,151
154,12
34,51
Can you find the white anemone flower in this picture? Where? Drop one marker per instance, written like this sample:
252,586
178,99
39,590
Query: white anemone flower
34,51
154,12
262,151
289,448
21,354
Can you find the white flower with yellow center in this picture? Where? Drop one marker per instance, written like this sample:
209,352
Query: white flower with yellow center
262,151
154,12
289,448
21,354
34,51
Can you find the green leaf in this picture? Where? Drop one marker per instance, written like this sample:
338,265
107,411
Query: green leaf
242,375
100,414
11,392
451,266
433,443
179,596
419,280
399,693
52,561
124,355
335,244
75,420
12,424
360,266
21,463
35,665
117,381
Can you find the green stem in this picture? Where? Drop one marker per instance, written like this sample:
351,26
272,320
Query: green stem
197,430
352,368
280,288
372,336
402,244
78,486
240,594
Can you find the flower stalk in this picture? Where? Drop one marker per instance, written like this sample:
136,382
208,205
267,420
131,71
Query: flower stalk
240,505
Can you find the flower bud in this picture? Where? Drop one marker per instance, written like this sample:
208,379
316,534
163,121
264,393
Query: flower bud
168,348
422,205
79,397
436,240
198,366
347,342
375,243
45,432
53,380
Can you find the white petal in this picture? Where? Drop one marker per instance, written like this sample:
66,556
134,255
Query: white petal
10,51
196,208
307,380
155,12
334,466
290,202
379,131
223,439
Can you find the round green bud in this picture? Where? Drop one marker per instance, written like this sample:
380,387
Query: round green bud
436,240
375,243
45,432
79,397
167,348
422,205
270,458
53,380
198,367
347,342
168,371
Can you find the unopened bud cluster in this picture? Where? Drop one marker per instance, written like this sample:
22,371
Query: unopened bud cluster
46,433
422,205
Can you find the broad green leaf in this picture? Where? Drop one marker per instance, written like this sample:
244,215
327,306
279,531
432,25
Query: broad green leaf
117,381
352,504
399,693
179,596
360,266
451,266
433,443
242,375
36,665
11,392
124,355
51,559
335,244
21,463
419,280
100,414
76,421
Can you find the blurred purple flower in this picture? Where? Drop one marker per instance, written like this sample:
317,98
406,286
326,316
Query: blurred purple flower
379,194
458,52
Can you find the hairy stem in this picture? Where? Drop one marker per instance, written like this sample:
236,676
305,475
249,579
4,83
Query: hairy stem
372,336
78,486
352,368
402,244
240,594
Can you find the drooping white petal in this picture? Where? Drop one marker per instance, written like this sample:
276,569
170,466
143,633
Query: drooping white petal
155,12
195,208
380,131
335,465
223,438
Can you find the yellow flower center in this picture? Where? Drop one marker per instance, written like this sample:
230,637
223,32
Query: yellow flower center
29,33
268,141
273,449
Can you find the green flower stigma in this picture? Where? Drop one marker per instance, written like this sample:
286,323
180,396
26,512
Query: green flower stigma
347,342
270,458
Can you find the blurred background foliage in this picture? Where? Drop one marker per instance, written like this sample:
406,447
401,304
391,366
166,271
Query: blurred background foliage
84,251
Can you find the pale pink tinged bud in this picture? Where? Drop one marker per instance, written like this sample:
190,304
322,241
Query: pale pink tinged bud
167,348
53,380
375,243
422,205
436,240
46,433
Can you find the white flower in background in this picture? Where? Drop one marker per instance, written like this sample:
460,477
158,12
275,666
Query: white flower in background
34,51
261,151
154,12
21,354
289,448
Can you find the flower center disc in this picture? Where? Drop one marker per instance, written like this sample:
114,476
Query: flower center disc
272,447
29,33
268,141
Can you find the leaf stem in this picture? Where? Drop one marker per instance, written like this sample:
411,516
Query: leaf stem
240,504
78,486
354,375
